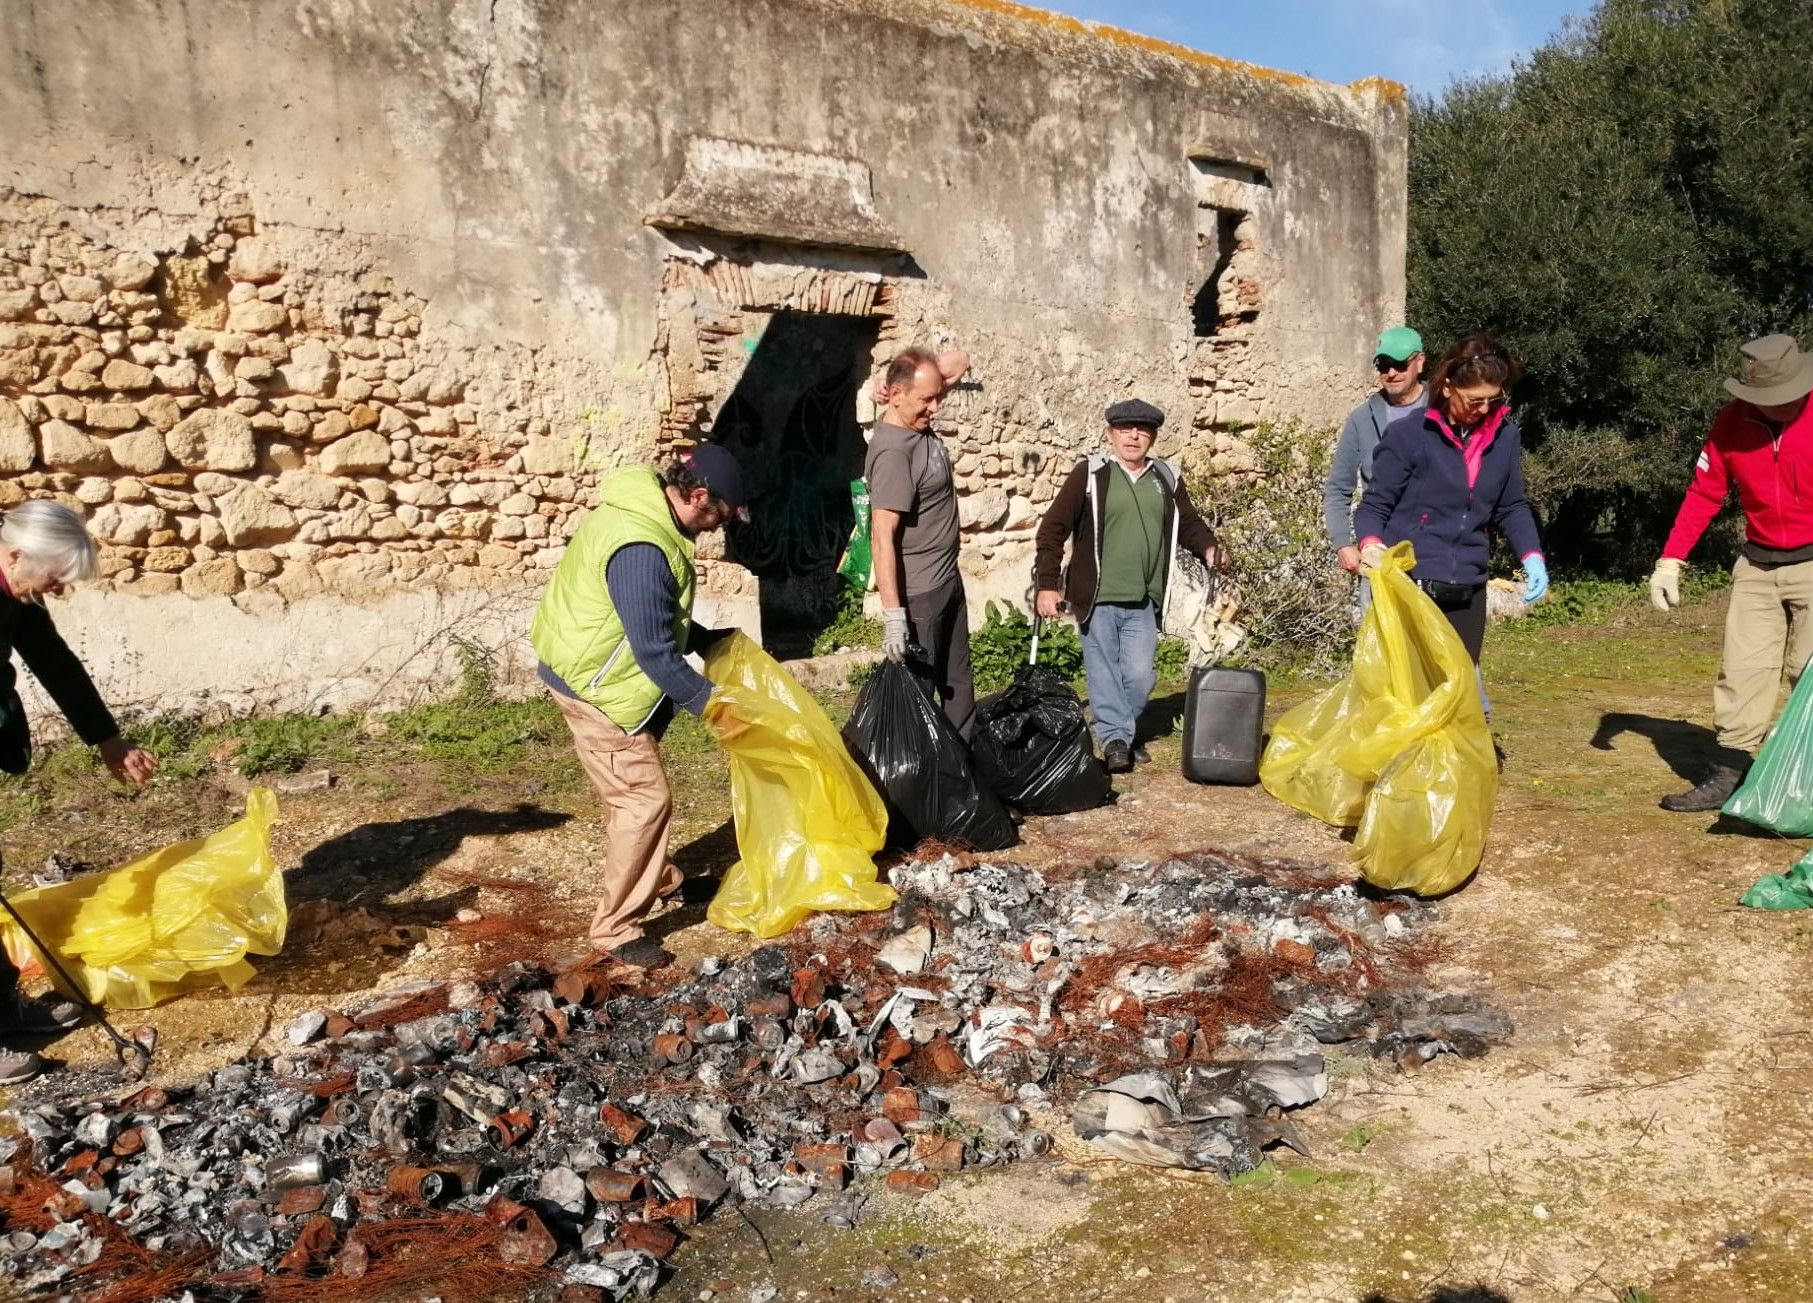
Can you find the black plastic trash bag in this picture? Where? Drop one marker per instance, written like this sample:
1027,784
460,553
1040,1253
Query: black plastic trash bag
922,767
1032,747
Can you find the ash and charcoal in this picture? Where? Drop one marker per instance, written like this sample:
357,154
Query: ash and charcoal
573,1126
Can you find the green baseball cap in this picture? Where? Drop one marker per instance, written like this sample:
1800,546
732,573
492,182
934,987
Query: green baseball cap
1399,344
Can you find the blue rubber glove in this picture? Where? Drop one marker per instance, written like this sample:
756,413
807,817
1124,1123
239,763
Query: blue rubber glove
1536,577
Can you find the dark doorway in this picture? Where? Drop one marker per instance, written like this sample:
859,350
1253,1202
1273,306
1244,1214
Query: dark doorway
792,423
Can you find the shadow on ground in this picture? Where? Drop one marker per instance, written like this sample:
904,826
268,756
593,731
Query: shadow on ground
1161,718
1685,748
367,864
1458,1294
710,855
704,861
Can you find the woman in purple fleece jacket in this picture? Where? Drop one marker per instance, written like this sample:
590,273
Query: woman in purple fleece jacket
1442,478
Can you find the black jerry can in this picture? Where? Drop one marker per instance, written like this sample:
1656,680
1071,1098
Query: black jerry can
1223,725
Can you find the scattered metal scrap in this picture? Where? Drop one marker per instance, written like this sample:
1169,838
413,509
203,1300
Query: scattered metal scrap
546,1129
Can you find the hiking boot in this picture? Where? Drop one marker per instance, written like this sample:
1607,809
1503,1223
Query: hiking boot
1117,756
18,1066
640,953
1140,755
35,1017
1712,791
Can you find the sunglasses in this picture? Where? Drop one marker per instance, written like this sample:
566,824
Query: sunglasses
1479,403
1382,364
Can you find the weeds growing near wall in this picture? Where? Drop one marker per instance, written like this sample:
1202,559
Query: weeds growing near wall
1001,645
1297,604
1004,641
849,629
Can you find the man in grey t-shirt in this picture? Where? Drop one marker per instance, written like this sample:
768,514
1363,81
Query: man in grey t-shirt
915,534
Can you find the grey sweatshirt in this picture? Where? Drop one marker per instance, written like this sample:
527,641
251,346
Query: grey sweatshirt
1352,468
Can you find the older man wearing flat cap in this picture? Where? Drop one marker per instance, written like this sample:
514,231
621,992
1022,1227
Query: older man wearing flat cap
1763,442
1124,514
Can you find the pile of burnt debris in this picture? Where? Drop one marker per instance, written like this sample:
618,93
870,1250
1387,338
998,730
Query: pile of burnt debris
557,1132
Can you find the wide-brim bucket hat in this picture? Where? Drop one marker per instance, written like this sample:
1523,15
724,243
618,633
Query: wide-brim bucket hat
1775,372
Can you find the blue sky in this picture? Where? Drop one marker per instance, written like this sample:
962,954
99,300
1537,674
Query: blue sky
1423,43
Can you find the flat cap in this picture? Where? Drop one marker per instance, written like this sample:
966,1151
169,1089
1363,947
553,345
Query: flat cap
1135,411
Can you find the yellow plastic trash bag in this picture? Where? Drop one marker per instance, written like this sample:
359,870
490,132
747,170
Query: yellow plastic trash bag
808,821
180,918
1400,747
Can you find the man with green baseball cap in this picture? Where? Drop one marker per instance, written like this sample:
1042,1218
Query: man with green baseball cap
1398,359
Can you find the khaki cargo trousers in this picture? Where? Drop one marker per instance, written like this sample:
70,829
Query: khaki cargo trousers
1768,629
626,770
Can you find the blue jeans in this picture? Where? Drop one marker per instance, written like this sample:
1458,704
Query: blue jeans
1120,642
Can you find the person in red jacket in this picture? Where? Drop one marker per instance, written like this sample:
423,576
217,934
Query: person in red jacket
1763,442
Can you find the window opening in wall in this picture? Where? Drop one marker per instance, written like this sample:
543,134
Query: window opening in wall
791,420
1217,305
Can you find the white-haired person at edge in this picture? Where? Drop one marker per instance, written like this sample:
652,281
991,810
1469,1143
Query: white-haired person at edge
44,548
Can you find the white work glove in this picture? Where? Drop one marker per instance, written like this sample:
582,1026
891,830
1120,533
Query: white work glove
894,633
1665,584
1370,556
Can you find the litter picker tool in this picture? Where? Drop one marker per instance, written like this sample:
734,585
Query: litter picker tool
1038,621
134,1057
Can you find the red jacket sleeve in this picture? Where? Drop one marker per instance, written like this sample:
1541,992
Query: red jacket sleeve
1705,498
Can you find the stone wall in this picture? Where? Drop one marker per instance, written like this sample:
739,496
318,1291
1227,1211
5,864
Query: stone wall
331,319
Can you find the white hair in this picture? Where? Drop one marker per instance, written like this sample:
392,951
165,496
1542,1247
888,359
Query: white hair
52,539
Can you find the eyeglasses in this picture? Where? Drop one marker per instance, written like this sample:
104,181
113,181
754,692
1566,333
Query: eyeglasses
1477,403
1382,364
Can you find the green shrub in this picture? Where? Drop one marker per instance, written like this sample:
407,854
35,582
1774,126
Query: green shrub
1172,661
849,627
283,744
1624,208
1004,641
1296,603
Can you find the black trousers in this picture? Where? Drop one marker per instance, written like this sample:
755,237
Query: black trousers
939,624
1468,619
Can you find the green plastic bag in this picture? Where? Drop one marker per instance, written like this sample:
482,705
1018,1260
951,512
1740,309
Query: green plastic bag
1790,890
858,564
808,820
1400,747
180,918
1777,793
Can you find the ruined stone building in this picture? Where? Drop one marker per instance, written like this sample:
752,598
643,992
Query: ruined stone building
330,314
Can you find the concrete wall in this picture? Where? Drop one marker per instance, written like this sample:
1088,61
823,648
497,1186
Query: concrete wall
332,312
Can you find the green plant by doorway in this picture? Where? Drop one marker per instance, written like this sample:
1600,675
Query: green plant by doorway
1004,642
850,629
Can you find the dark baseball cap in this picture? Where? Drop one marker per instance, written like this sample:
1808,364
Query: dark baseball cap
717,468
1135,411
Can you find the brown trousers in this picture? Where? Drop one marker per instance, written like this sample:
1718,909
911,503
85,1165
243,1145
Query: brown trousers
626,770
1768,629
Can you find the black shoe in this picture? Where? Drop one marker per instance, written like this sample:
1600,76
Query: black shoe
35,1017
1711,793
640,953
1118,757
1140,755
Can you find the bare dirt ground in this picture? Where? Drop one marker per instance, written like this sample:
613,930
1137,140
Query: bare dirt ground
1640,1138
